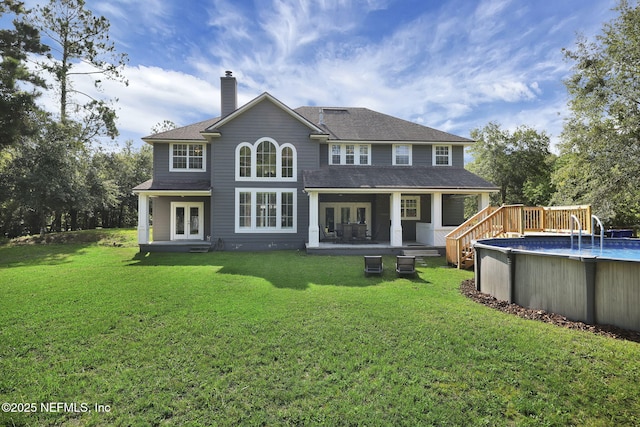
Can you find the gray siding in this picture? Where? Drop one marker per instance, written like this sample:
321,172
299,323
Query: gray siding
458,156
161,166
324,155
263,120
452,210
381,155
422,155
382,217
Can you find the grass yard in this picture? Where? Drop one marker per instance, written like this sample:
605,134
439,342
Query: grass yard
282,338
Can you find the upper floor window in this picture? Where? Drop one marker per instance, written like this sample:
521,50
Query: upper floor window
402,154
442,155
187,158
265,160
287,162
350,154
244,157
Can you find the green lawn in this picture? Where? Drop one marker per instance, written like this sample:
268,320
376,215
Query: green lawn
282,338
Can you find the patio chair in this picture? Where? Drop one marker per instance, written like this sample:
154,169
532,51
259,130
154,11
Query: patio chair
405,265
373,265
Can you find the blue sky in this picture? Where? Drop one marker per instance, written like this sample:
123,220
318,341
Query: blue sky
452,65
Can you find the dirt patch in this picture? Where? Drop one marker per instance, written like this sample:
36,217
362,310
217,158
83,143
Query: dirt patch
468,288
100,237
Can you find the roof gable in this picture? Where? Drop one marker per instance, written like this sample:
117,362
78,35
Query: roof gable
262,98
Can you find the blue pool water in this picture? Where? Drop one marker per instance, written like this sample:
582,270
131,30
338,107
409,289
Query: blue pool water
621,249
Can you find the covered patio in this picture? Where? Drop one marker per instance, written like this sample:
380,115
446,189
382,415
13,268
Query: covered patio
397,207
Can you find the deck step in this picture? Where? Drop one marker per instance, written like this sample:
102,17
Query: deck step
199,249
421,252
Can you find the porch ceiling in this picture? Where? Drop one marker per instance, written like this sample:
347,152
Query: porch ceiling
394,178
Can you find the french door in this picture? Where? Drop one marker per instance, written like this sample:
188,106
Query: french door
187,220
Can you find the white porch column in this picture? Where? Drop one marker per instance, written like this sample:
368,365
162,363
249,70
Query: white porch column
483,201
314,230
143,219
396,216
436,211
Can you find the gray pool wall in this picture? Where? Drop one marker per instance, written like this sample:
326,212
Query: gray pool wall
582,288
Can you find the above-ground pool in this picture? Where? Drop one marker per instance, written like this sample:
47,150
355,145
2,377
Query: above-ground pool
594,284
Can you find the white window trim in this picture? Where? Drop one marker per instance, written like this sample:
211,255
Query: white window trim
343,154
450,147
279,149
404,210
278,228
204,157
394,154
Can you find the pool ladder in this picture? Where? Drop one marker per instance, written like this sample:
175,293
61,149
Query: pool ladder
574,219
593,234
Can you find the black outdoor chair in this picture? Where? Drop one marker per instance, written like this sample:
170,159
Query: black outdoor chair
405,265
373,265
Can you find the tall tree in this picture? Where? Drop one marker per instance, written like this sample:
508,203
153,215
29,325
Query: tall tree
520,163
80,47
39,177
17,103
601,139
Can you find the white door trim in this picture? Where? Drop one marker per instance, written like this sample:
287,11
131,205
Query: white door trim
187,207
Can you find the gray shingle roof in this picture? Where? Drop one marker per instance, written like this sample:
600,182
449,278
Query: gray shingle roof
185,133
362,124
392,177
158,185
349,124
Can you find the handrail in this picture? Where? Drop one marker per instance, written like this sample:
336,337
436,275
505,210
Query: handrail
479,216
517,219
593,217
577,221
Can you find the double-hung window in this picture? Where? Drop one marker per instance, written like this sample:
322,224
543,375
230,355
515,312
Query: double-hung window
402,154
187,158
349,154
442,155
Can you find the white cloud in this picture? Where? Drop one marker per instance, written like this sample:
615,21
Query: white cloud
155,94
454,66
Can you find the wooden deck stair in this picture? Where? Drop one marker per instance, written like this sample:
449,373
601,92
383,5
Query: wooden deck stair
510,221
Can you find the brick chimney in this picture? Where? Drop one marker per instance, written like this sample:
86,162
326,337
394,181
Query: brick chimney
228,94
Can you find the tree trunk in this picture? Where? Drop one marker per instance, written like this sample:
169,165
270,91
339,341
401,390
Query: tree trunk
73,213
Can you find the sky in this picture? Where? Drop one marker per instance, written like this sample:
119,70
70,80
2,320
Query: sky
453,65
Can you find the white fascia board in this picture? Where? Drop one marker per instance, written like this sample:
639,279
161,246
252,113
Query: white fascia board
173,193
400,190
387,142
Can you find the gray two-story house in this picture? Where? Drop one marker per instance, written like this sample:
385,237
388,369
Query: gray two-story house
266,176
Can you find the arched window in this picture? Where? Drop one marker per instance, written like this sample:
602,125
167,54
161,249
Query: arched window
245,161
265,160
266,155
287,162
